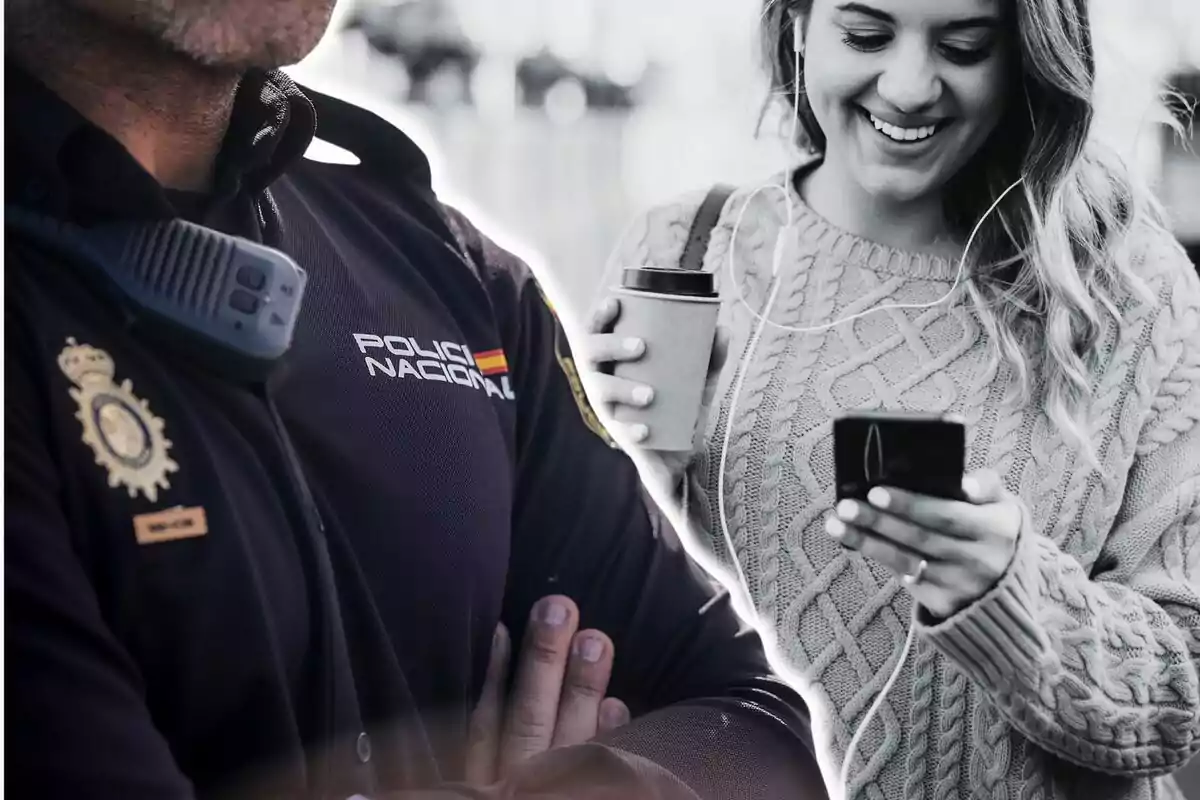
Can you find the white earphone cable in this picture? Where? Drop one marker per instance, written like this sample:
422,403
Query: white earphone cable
856,739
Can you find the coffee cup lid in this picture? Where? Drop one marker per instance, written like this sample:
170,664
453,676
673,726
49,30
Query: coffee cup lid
690,283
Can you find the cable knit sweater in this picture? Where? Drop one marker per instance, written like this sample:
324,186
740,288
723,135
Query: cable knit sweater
1076,676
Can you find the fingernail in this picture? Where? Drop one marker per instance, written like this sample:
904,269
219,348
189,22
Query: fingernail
552,613
590,649
633,345
615,717
847,510
642,395
638,432
879,497
835,528
970,487
498,638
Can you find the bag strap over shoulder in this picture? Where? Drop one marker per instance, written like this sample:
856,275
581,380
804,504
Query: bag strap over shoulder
705,220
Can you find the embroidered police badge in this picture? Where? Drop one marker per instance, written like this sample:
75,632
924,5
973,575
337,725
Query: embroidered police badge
127,439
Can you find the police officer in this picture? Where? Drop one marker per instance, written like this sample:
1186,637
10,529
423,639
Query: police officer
280,573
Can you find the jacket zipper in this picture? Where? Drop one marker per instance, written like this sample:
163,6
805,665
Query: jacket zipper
327,604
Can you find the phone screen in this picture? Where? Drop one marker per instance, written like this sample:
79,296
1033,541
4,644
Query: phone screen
920,453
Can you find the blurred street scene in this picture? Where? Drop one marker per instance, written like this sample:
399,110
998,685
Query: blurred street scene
557,120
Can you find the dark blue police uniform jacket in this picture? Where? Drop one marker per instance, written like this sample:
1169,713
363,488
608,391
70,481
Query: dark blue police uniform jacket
287,588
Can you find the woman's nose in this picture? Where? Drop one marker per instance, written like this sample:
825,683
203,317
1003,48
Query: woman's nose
909,81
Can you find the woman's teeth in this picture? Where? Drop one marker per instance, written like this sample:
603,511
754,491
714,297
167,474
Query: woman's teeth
899,134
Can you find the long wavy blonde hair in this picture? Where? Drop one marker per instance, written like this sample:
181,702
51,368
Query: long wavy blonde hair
1051,262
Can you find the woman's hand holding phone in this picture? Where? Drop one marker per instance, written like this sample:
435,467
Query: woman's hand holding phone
949,553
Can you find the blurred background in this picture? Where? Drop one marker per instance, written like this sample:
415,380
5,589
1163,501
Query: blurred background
553,122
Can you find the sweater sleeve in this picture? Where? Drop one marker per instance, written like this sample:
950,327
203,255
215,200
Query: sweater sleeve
657,237
1103,669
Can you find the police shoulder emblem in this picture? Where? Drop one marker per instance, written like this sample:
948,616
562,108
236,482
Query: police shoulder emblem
562,353
127,439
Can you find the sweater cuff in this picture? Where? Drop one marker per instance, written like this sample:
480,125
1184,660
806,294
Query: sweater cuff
997,639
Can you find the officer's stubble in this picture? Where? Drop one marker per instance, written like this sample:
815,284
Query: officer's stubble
159,75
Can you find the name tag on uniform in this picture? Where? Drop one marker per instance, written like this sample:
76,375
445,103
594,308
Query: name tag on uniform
170,525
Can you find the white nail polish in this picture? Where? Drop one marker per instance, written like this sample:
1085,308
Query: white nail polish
847,509
638,432
642,395
835,528
879,497
633,345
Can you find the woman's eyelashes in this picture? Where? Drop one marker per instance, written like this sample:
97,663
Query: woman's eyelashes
965,51
866,42
960,51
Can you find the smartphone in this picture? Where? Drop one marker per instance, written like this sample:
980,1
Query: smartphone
923,453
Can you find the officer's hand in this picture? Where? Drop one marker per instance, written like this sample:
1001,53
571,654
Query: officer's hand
557,697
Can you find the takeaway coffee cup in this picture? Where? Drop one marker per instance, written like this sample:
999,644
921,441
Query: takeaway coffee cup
674,312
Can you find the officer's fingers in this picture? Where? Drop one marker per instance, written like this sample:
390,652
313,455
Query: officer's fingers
484,738
604,349
604,315
588,672
613,714
541,665
609,390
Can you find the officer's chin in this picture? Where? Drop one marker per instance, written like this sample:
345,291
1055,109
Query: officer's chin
244,56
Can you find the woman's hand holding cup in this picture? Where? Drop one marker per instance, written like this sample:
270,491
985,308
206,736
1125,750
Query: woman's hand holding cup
605,349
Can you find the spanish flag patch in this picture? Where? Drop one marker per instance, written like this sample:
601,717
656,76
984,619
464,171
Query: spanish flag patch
491,362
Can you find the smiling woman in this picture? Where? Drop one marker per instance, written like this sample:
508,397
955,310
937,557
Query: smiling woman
903,100
957,242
